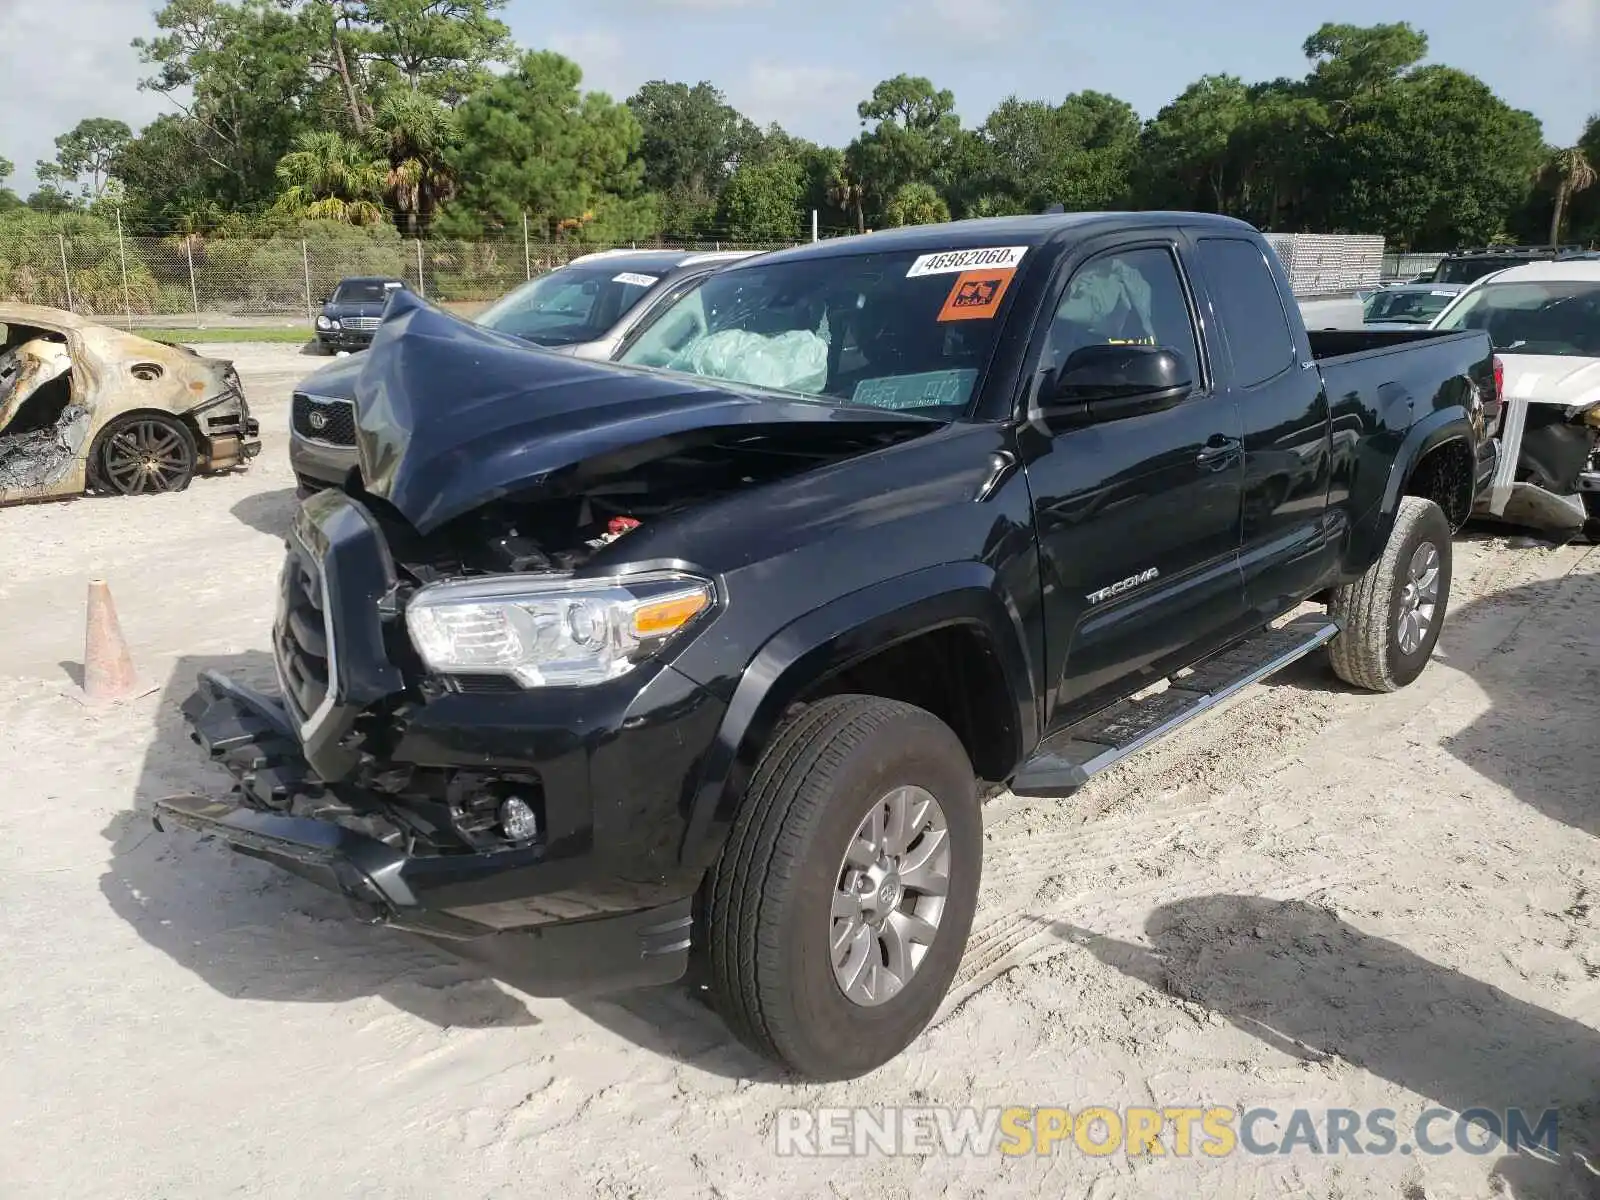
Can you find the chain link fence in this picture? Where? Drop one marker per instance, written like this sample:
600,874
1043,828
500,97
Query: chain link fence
236,281
199,282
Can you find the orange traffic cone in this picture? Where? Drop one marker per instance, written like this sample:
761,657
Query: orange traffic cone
107,666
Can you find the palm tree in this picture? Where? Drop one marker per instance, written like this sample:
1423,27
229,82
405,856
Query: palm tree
328,177
1574,172
848,193
414,134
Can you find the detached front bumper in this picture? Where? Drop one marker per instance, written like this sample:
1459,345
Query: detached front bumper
285,816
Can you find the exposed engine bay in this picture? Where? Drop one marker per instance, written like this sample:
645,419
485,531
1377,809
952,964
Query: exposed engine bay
557,527
581,510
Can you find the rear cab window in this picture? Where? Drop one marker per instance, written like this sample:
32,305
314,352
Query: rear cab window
1255,326
909,330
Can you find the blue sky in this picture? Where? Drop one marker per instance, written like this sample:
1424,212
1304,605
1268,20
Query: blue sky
807,64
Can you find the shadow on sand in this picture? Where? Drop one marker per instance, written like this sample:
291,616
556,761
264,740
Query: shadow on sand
1297,977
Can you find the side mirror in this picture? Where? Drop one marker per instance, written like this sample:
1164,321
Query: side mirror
1108,382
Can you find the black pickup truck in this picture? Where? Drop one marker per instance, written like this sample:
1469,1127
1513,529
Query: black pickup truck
699,663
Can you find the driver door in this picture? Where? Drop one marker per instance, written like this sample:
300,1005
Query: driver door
1137,518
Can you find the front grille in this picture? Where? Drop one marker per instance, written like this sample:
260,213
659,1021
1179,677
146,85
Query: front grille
360,324
300,639
325,419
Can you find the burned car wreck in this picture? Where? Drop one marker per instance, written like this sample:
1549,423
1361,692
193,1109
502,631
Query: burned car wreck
85,407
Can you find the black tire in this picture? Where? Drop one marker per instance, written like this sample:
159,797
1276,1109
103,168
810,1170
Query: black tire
770,893
1368,652
163,439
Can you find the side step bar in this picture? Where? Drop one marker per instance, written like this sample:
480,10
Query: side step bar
1068,758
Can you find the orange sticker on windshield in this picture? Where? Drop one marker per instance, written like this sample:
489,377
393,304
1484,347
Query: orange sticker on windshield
976,295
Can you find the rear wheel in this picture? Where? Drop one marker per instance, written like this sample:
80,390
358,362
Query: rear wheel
840,907
144,454
1390,618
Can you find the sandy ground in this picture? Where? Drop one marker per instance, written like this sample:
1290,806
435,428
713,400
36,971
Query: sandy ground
1313,899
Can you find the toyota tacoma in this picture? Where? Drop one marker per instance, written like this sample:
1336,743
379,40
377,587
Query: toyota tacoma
698,665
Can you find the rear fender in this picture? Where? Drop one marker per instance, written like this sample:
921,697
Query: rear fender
830,638
1369,535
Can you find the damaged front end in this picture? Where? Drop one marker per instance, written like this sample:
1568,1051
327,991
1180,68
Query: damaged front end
479,733
1548,476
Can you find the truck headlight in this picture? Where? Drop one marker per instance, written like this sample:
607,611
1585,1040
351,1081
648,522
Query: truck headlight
546,632
323,322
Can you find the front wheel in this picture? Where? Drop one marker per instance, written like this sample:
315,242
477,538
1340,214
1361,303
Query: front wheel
840,907
1390,618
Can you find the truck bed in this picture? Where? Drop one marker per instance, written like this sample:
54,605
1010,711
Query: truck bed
1333,345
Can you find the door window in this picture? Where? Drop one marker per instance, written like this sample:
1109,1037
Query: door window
1124,297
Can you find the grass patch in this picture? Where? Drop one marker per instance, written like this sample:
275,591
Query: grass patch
227,334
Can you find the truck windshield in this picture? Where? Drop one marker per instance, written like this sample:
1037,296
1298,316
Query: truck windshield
1557,318
569,305
899,330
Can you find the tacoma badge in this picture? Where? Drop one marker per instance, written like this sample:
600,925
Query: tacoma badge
1116,589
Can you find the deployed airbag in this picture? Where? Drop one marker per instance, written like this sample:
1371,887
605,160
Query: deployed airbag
796,361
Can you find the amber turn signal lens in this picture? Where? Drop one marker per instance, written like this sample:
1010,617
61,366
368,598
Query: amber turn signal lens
659,617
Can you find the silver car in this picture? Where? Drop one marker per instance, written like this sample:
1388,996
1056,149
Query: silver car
585,308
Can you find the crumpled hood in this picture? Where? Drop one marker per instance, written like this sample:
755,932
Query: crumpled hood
1552,379
451,416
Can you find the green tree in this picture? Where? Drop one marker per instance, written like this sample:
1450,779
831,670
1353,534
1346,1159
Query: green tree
53,199
910,129
415,136
327,177
916,204
819,166
1185,153
1573,173
1077,154
8,199
89,148
241,76
1584,222
1355,60
370,49
762,202
171,179
532,143
692,141
1432,159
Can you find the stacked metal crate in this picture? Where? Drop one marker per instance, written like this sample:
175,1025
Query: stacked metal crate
1329,264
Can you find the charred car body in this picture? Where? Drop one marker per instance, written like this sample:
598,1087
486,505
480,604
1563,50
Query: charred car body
88,407
707,655
1544,321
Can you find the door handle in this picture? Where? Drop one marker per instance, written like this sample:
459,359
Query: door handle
1217,450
